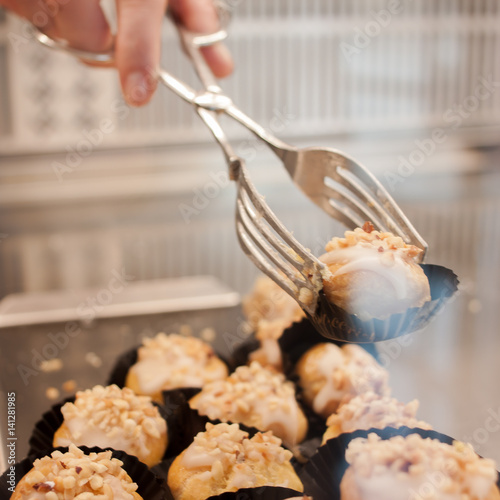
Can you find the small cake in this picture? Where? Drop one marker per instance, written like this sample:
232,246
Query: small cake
256,397
172,361
412,467
268,301
270,311
224,458
74,475
372,411
268,334
374,274
330,375
110,417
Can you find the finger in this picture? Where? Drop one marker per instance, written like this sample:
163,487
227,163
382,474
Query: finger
200,16
82,24
138,45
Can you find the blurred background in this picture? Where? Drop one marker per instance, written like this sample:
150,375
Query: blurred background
90,187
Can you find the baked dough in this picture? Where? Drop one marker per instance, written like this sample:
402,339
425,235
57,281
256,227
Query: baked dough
401,468
374,274
71,475
330,375
372,411
116,418
256,397
270,311
171,361
224,458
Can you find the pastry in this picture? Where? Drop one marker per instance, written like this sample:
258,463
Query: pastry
373,274
74,475
224,458
372,411
110,417
172,361
330,375
412,467
256,397
268,301
270,311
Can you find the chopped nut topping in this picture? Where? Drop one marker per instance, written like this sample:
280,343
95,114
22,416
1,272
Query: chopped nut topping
77,476
370,410
268,301
462,471
252,395
227,448
111,408
375,239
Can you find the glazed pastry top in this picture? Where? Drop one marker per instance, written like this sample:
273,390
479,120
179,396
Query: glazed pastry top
66,476
390,469
250,392
370,410
110,416
227,451
171,361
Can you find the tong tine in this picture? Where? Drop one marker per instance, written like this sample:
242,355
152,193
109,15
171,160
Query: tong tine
263,246
304,259
255,225
373,202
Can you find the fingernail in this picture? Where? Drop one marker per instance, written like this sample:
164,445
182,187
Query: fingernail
137,89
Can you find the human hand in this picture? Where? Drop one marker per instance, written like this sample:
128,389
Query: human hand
137,47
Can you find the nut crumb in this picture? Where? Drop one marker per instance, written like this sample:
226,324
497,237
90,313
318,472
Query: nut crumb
93,359
208,334
69,386
51,365
52,393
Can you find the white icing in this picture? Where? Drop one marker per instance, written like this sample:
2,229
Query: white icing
155,373
85,434
195,457
272,351
332,359
395,272
387,485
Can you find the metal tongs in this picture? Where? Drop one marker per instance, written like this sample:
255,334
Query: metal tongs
335,182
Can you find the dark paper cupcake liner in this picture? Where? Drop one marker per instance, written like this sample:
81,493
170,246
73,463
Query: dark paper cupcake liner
321,476
241,354
42,437
263,493
150,487
333,322
186,423
120,370
302,336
